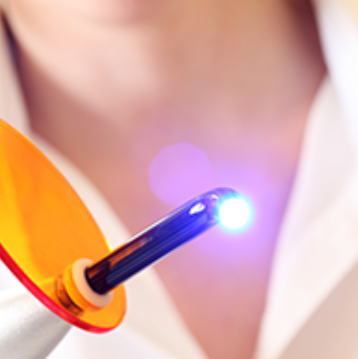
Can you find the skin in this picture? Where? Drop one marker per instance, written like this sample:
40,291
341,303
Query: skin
112,82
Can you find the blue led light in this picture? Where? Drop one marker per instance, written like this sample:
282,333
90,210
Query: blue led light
235,213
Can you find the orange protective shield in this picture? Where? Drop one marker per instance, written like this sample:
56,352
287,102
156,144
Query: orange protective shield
44,227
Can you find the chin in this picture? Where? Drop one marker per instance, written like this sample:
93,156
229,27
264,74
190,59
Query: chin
128,11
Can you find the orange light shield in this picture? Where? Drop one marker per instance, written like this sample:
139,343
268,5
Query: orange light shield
44,227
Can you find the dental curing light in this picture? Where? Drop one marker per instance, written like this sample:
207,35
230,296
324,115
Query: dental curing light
45,230
180,226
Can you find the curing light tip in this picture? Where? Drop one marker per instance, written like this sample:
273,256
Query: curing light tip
235,213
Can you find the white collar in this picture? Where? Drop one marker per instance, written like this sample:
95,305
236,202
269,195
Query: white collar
318,244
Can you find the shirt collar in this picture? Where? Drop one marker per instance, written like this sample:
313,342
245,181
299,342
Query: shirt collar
317,245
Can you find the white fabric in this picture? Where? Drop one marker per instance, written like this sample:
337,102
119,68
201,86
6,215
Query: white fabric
318,244
312,306
311,309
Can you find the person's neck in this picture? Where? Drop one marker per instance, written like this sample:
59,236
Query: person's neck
228,69
247,52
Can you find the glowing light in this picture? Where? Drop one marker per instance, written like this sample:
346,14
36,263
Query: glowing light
235,213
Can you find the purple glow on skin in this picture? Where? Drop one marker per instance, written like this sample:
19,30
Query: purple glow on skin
247,253
179,172
182,170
